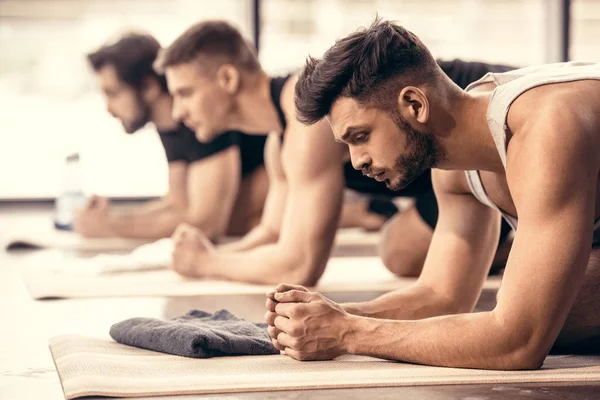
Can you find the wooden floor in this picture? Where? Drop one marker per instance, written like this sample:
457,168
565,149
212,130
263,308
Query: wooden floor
27,371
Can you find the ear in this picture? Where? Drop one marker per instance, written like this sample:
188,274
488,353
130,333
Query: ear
414,104
150,90
228,77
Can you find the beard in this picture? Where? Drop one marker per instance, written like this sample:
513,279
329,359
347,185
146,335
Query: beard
143,114
421,153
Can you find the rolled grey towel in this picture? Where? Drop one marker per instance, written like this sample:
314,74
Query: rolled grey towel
196,334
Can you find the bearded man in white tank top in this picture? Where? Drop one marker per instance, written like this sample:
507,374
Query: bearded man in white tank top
524,145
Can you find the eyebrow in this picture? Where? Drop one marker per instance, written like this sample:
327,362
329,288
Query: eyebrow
350,131
181,90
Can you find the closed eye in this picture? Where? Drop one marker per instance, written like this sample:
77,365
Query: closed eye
361,138
183,93
110,93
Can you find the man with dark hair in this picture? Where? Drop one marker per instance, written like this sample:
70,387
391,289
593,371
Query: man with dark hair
218,84
518,144
218,186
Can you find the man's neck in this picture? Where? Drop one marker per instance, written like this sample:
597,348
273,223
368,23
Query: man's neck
465,135
161,114
256,111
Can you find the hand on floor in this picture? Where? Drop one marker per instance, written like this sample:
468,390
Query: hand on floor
92,220
306,325
191,251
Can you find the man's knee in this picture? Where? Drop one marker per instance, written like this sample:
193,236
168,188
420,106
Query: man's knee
404,244
403,262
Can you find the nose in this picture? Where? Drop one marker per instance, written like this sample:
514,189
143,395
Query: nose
360,161
178,111
110,110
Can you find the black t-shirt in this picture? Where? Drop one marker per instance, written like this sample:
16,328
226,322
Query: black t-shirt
463,73
182,145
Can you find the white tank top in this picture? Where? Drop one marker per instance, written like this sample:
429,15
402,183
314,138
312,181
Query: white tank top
511,85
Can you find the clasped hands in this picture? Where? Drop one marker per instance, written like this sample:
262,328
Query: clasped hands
306,325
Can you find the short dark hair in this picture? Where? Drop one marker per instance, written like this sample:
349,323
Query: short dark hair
132,56
371,65
218,40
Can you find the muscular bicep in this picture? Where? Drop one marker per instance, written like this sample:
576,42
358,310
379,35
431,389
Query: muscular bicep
277,195
463,244
212,186
553,184
177,193
313,165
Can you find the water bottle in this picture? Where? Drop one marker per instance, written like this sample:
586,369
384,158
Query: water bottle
72,196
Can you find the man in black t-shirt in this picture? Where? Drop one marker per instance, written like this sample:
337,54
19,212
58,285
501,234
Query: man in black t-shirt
219,186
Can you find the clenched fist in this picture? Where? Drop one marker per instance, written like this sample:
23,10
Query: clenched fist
307,325
191,250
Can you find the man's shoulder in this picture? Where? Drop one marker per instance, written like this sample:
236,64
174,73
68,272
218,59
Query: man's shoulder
553,119
551,128
287,96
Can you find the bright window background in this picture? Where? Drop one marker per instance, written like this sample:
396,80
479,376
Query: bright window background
585,31
504,31
49,105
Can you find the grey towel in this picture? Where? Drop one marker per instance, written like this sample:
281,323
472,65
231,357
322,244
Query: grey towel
196,334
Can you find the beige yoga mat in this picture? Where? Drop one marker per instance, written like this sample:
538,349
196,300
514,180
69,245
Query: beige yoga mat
352,242
57,276
52,277
357,237
101,367
45,236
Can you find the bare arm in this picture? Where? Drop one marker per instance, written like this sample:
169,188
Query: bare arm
313,166
457,263
150,207
267,231
201,194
